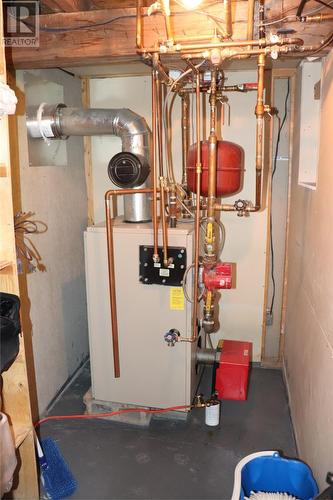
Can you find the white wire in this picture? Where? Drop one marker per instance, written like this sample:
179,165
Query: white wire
293,16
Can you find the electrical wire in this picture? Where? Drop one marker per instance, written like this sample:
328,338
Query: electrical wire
28,257
64,29
294,16
110,414
281,125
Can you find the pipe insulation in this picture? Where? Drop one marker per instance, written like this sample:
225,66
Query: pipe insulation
60,122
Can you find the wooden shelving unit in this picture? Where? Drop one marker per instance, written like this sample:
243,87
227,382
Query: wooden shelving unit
15,393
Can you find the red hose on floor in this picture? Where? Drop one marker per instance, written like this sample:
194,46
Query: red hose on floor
110,414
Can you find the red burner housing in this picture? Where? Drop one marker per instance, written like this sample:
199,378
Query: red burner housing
230,168
233,372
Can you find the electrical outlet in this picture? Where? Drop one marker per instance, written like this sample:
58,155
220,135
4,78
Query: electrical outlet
269,317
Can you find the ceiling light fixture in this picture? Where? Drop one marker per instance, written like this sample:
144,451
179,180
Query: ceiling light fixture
191,4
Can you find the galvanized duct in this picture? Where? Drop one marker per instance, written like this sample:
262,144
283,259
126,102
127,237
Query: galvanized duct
60,122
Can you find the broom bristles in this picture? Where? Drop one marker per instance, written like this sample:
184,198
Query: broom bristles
57,478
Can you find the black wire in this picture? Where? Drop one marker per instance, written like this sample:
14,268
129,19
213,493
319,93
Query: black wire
273,173
300,8
104,23
325,4
83,26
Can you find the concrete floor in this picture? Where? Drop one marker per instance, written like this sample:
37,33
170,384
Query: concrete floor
171,459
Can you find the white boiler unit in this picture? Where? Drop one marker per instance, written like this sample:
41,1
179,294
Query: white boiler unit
152,373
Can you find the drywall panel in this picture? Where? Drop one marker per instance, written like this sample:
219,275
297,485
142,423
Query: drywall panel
241,309
57,196
309,321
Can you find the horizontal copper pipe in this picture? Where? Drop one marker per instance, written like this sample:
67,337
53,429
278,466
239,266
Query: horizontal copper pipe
111,268
261,42
318,18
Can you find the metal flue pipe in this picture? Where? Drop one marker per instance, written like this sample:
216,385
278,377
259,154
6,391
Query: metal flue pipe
60,122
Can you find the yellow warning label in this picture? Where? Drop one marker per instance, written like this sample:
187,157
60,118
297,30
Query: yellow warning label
177,299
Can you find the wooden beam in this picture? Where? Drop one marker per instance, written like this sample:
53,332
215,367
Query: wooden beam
67,5
85,87
110,41
106,41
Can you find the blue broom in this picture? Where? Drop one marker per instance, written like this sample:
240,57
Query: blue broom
56,476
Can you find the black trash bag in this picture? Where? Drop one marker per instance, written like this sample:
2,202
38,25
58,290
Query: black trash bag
10,329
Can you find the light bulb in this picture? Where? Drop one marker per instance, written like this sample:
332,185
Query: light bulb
191,4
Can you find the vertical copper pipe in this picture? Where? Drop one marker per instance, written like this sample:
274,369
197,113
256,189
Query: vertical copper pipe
111,268
212,150
250,19
159,126
259,111
228,18
197,213
164,225
112,288
172,205
261,19
185,135
155,226
139,24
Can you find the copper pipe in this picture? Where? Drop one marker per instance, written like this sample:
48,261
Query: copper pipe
193,338
159,126
185,135
154,173
173,205
139,24
259,111
112,276
261,42
250,18
163,218
228,18
212,149
261,18
318,18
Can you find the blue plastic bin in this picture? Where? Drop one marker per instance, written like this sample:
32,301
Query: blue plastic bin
272,473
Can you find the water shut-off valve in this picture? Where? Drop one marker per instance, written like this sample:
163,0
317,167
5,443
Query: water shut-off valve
171,337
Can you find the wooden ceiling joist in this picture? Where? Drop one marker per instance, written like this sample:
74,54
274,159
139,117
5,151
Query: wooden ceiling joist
67,5
109,34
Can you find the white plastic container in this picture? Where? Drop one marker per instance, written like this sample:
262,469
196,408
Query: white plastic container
8,460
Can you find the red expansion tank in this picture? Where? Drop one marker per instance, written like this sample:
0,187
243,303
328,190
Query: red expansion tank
230,160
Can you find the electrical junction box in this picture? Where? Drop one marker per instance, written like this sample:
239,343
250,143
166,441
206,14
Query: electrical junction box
232,373
151,373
